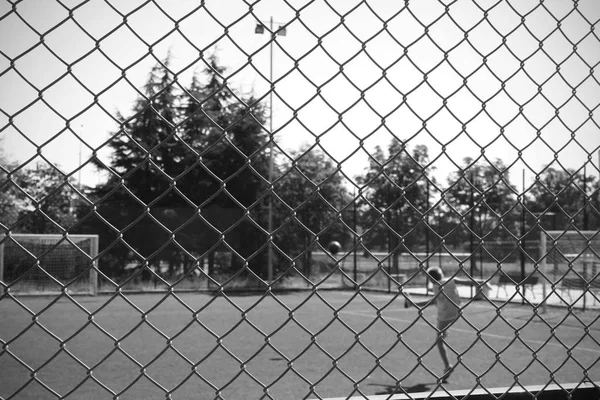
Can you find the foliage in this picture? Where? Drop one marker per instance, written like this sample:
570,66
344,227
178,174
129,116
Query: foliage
312,199
45,201
225,130
145,150
181,154
394,200
11,199
481,200
190,177
564,198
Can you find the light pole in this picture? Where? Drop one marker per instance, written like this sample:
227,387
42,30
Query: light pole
79,172
260,29
585,198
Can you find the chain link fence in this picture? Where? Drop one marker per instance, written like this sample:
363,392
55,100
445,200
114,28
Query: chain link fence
175,176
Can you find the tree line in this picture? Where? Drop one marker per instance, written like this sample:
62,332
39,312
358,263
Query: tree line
189,178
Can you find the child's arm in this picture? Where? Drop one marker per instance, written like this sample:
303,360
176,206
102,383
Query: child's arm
460,281
418,304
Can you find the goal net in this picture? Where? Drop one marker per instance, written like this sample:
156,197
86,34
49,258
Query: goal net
45,264
571,261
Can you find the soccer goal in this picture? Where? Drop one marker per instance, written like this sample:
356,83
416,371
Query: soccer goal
46,264
570,261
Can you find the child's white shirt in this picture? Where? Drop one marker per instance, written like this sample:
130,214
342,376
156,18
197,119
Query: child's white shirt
448,301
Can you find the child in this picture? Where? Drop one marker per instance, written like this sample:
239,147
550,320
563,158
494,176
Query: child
448,306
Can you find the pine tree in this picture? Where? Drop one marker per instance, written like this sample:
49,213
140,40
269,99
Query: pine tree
146,150
147,155
182,151
225,131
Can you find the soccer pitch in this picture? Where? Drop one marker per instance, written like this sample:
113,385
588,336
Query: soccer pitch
290,345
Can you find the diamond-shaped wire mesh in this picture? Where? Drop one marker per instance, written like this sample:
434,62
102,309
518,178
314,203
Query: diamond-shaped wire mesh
204,199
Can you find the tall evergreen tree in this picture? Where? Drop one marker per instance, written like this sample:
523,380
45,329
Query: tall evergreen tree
146,152
225,130
147,155
226,133
178,151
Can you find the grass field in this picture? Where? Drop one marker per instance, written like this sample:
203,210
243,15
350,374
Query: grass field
298,345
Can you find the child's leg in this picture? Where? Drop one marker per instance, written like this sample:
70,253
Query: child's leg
443,334
442,348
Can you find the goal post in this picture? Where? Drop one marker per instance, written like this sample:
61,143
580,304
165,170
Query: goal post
570,262
49,263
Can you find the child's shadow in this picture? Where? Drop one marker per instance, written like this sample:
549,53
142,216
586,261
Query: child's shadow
393,389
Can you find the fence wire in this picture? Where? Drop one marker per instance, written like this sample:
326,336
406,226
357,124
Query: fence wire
374,141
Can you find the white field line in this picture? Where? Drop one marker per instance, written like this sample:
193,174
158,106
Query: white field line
503,337
477,305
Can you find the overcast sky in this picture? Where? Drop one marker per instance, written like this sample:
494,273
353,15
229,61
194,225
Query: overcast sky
366,72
